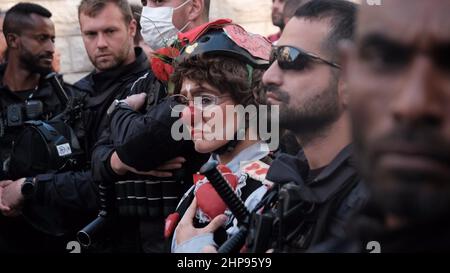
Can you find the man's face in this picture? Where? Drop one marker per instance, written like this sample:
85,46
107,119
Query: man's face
180,16
107,38
277,13
399,79
308,98
36,45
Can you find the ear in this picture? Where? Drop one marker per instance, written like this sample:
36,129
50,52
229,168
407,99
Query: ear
12,40
346,48
343,92
196,10
132,28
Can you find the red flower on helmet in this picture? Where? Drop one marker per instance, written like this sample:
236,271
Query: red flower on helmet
161,62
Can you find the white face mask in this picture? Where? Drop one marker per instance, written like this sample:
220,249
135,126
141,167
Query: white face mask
158,30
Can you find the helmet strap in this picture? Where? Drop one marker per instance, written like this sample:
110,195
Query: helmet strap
250,76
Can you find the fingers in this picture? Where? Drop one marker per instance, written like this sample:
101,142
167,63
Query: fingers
216,223
117,165
3,209
136,95
121,168
5,183
179,159
136,101
157,174
185,229
12,213
168,167
188,216
173,164
140,98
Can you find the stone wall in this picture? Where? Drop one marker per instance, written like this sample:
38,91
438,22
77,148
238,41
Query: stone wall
252,14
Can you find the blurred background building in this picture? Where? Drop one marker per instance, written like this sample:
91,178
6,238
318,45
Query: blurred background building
252,14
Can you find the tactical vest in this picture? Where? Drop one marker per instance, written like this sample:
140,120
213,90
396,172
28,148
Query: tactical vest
35,139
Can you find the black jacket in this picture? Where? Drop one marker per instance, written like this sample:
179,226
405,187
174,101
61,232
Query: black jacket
367,233
16,235
287,169
65,202
105,87
51,107
144,141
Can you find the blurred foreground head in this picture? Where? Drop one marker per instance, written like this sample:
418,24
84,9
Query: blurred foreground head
398,72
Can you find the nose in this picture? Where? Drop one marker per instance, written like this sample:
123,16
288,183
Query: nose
418,101
188,116
273,75
101,41
50,47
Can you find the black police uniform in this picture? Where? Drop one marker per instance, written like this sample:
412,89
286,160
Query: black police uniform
9,126
367,233
15,234
64,202
324,199
144,142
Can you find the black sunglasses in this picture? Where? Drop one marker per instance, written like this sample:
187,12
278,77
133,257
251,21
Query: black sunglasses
291,58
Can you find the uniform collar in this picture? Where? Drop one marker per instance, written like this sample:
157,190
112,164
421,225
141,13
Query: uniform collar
42,91
287,168
339,160
102,80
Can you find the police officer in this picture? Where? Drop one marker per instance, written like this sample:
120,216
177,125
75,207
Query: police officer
319,187
64,202
400,97
145,131
24,95
331,189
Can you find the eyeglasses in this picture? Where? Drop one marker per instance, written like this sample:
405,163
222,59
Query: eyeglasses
291,58
202,101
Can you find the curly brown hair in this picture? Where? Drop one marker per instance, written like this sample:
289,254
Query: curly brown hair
226,74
